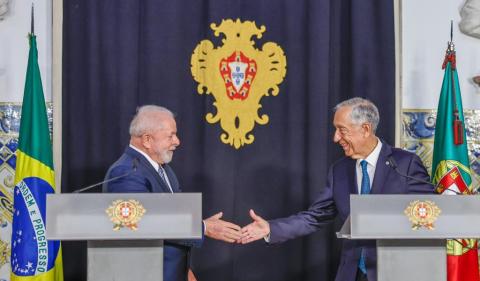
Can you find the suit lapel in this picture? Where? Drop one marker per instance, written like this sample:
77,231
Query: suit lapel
160,185
382,169
345,177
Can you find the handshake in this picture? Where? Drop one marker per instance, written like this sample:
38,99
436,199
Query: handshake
218,229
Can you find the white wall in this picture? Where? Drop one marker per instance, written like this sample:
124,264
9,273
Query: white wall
425,33
14,47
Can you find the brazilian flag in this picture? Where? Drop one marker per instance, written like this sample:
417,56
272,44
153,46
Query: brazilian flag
450,167
33,258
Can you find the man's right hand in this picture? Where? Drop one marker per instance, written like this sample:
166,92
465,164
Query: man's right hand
256,230
218,229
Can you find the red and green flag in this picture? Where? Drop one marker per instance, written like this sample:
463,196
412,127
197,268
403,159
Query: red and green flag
33,257
451,169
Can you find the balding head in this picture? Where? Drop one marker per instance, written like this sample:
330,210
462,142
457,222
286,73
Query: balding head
154,131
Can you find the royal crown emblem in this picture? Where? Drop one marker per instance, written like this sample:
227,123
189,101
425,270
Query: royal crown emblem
238,75
451,177
125,213
422,214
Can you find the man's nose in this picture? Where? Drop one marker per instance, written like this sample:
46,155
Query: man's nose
176,141
336,136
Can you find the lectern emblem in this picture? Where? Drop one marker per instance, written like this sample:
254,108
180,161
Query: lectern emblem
422,214
125,213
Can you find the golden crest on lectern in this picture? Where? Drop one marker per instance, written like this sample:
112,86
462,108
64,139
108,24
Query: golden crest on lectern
422,214
125,213
238,75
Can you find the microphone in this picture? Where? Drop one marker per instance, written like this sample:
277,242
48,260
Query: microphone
392,164
134,169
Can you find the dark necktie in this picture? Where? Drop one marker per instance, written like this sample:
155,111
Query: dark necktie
365,189
163,175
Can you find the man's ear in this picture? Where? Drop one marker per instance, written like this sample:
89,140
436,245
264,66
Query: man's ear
367,129
146,141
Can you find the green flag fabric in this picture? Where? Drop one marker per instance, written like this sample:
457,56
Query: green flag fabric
451,169
33,258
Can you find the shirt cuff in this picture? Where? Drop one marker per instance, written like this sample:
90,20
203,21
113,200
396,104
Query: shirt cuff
267,238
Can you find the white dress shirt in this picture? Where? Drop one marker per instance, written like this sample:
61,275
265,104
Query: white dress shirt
371,159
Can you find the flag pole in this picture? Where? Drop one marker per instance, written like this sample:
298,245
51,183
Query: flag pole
451,30
32,27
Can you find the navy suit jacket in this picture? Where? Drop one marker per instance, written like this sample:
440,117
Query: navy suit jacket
142,177
335,200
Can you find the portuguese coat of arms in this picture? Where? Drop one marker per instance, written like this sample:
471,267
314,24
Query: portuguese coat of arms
125,213
238,75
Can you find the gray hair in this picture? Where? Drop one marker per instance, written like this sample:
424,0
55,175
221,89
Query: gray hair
147,120
363,111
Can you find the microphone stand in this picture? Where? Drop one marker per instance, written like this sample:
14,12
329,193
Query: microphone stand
134,166
392,164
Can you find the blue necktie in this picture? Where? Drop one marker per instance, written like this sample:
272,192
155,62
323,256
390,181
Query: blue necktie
365,189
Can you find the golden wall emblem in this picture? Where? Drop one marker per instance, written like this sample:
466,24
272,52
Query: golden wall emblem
238,75
6,202
4,252
422,214
125,213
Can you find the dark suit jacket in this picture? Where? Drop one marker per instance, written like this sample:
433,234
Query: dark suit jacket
335,200
142,177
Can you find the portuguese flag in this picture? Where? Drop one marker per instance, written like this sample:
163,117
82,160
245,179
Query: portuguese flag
451,169
33,258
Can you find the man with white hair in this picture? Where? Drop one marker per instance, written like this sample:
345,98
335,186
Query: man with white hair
363,170
153,140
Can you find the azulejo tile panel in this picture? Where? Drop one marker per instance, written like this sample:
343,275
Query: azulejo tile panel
418,131
9,128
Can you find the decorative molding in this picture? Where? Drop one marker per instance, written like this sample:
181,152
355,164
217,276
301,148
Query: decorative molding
10,114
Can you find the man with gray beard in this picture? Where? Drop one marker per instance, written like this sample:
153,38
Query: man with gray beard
153,139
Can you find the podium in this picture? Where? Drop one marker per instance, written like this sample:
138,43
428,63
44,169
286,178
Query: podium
402,252
124,254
